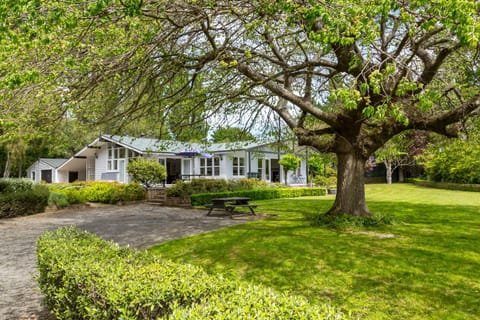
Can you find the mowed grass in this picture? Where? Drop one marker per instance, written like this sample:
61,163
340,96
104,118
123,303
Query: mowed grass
424,266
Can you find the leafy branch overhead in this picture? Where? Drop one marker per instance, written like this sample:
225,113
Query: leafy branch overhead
346,76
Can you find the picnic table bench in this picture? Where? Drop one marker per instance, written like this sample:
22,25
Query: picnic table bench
229,205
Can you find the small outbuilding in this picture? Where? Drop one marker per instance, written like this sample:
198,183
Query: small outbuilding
45,169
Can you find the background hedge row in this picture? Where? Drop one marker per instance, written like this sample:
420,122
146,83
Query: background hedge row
446,185
84,277
258,194
203,185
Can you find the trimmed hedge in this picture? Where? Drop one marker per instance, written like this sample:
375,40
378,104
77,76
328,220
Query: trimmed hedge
446,185
85,277
203,185
254,302
258,194
23,203
103,192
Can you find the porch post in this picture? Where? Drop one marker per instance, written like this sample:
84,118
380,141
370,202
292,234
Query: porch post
249,172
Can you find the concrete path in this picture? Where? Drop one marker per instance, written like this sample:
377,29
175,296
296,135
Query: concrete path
138,226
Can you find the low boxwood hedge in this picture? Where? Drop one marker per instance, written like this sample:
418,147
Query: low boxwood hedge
85,277
184,189
258,194
446,185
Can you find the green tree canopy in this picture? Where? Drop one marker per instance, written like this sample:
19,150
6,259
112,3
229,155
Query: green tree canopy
345,76
231,134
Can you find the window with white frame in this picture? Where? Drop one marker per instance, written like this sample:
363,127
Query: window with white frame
115,153
238,166
210,166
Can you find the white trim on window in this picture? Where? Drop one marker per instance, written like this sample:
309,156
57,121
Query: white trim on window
115,153
210,167
238,167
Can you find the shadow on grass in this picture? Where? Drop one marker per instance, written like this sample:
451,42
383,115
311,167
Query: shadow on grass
428,268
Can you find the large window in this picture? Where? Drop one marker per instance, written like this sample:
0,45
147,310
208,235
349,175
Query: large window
114,154
238,166
210,166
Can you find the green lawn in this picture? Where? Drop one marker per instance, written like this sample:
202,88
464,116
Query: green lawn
424,266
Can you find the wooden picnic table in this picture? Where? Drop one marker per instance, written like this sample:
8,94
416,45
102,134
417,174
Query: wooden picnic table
229,204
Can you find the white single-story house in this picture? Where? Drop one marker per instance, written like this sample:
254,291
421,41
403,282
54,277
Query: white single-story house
45,169
107,157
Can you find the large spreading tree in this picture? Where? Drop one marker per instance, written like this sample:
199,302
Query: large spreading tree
346,76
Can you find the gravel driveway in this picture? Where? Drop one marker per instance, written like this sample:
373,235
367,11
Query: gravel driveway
139,226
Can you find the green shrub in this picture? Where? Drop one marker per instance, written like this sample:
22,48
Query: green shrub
15,185
456,162
209,185
58,199
196,186
84,277
103,192
258,194
325,181
146,171
180,189
247,184
132,192
24,203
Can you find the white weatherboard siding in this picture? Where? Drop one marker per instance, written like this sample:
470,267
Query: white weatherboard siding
101,162
46,168
216,161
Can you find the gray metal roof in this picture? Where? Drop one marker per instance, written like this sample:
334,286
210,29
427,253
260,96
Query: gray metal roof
145,145
53,162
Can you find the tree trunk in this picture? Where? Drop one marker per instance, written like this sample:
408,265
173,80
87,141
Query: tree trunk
6,172
350,198
388,167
